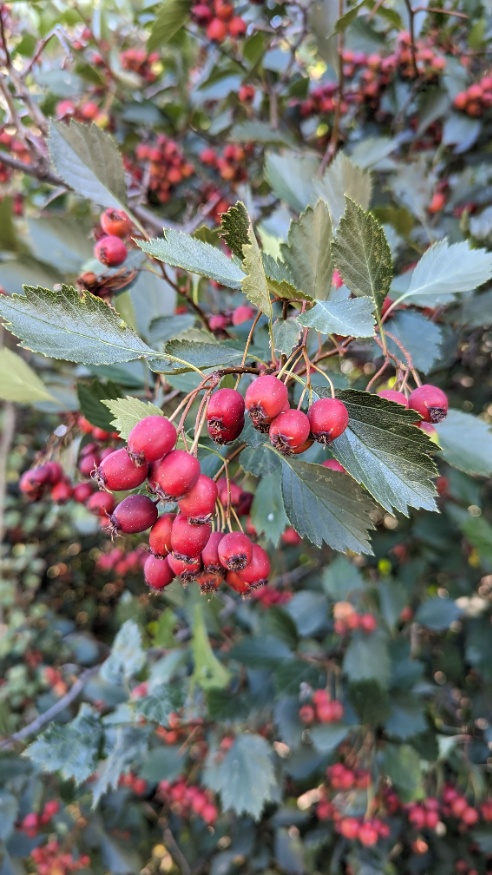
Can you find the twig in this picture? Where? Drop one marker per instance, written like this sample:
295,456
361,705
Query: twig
8,430
176,851
411,27
52,712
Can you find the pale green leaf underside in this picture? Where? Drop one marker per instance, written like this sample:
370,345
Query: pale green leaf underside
351,318
466,443
127,656
447,269
182,250
245,778
18,381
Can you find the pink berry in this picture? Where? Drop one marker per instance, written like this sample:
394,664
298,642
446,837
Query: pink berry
265,398
328,419
151,439
333,465
289,431
160,535
110,250
198,504
210,554
175,475
430,402
235,551
117,472
187,569
101,504
188,541
136,513
157,572
257,571
394,395
224,411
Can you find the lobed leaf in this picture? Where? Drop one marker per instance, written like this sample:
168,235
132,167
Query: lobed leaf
245,778
91,397
127,657
234,228
254,284
307,252
71,749
181,250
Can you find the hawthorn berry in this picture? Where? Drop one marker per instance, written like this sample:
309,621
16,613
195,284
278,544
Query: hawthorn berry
289,431
101,504
175,475
237,27
328,419
151,439
395,396
210,554
117,472
157,572
83,491
160,535
265,398
242,314
198,504
235,551
61,492
227,435
188,569
188,541
333,465
136,513
208,582
430,401
236,583
33,481
54,472
115,223
110,250
216,30
225,410
257,571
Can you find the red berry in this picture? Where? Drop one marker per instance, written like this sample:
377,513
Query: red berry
395,396
201,13
136,513
225,411
157,572
34,480
187,569
61,492
349,827
175,475
188,541
151,439
54,471
234,581
242,314
307,715
30,823
115,223
160,535
328,418
101,503
246,93
368,834
227,435
265,398
210,554
118,472
368,623
198,504
256,572
208,582
237,27
110,250
333,465
289,431
430,402
235,551
83,491
216,30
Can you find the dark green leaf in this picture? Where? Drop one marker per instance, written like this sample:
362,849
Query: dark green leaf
438,614
245,778
367,658
91,395
256,131
309,611
308,251
208,673
264,652
349,17
351,318
9,807
163,764
186,355
126,747
402,765
267,511
164,328
466,443
418,335
171,15
327,737
182,250
406,718
280,280
234,228
341,579
71,749
478,533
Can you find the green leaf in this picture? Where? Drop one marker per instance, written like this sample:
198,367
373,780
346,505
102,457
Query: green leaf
438,614
127,746
67,325
349,17
327,737
171,15
466,443
164,328
61,241
406,718
322,20
351,318
286,334
401,763
341,579
9,807
478,533
280,280
309,611
91,395
383,450
265,652
418,335
267,511
308,252
446,270
234,228
127,656
325,506
71,749
255,131
18,382
159,704
255,285
291,177
344,179
88,160
163,764
367,658
186,355
128,411
208,672
362,254
182,250
245,778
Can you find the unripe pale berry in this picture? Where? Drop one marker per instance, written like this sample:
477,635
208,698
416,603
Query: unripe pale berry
430,401
157,572
235,551
328,419
289,431
115,223
188,541
151,439
110,250
198,504
136,513
117,472
175,475
265,398
160,535
224,410
395,396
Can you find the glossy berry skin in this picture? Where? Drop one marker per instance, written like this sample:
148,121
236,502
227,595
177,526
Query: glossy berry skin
430,401
83,491
289,431
188,569
265,398
328,419
117,472
235,551
110,250
115,223
394,395
226,435
237,583
225,409
33,481
210,554
216,30
151,439
101,504
333,465
188,541
54,471
198,504
160,535
257,571
175,475
136,513
157,572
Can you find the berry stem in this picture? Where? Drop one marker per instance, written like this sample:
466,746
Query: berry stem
248,343
332,388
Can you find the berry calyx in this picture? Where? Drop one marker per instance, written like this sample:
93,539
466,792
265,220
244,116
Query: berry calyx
198,504
115,223
395,396
157,572
187,569
188,541
227,435
136,513
151,439
328,419
430,401
110,250
160,535
117,472
256,572
224,411
175,475
289,431
235,551
265,398
208,582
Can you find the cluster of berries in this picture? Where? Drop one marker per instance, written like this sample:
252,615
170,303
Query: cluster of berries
15,147
427,400
323,709
120,563
186,799
85,111
110,248
476,98
218,19
347,619
231,165
32,822
138,61
166,167
132,782
51,859
220,322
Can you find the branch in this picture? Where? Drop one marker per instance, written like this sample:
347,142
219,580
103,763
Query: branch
176,851
8,430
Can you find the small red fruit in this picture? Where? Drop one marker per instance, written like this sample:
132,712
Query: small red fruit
151,439
188,541
198,504
349,827
307,715
160,535
333,465
117,472
368,623
184,568
257,571
110,250
227,435
289,431
243,314
395,396
224,411
216,30
136,513
368,834
235,551
328,418
175,475
234,581
430,401
115,223
61,492
210,554
83,491
208,582
265,398
101,504
237,27
157,572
